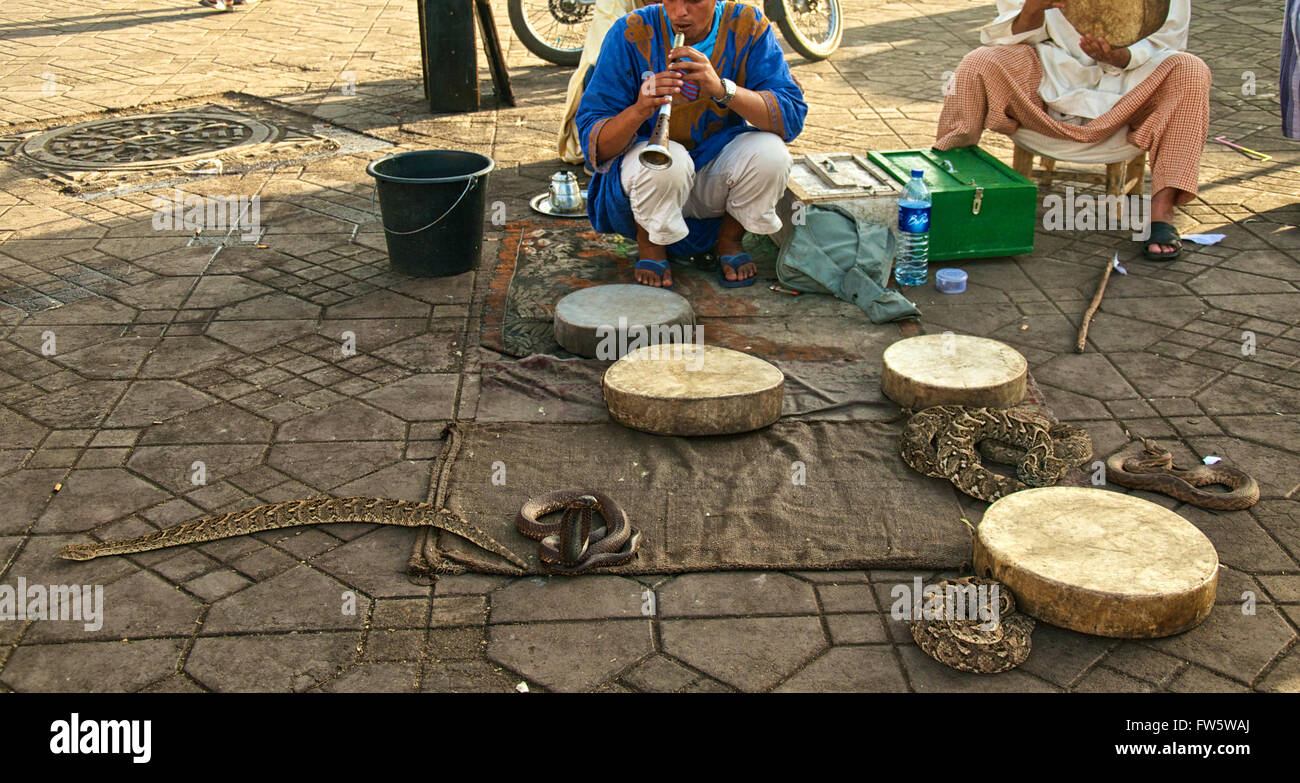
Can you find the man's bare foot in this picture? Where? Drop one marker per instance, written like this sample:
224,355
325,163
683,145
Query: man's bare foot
649,251
744,272
648,277
730,237
1162,211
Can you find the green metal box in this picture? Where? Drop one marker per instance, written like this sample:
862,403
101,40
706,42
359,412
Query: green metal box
982,207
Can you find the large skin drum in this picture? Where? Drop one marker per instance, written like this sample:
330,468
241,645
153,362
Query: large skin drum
607,321
953,369
1098,562
693,390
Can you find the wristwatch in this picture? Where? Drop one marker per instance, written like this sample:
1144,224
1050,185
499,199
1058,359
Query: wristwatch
729,92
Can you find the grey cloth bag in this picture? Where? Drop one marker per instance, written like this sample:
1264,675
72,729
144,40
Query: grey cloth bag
835,253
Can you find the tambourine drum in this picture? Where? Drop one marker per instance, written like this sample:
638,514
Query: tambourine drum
606,321
693,390
1120,22
953,369
1098,562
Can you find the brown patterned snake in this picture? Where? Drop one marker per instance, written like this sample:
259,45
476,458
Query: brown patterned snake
942,442
570,546
1153,469
293,513
962,643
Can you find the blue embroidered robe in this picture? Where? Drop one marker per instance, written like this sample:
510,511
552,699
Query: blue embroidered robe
746,51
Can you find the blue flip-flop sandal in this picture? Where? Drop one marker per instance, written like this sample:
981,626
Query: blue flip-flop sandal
740,259
658,267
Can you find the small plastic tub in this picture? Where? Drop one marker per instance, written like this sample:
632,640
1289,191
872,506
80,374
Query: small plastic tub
950,281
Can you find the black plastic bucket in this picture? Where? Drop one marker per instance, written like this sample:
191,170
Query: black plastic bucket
431,203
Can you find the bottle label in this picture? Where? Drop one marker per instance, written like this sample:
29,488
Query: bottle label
914,220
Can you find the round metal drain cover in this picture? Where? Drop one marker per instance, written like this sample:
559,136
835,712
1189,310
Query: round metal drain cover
144,141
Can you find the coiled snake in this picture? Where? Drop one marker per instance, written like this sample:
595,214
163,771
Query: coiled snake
1153,469
955,638
942,442
570,545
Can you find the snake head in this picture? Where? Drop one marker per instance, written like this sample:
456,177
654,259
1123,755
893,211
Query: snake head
575,529
1151,447
1152,459
77,552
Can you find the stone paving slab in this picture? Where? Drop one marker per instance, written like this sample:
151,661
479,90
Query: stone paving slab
748,653
544,652
309,367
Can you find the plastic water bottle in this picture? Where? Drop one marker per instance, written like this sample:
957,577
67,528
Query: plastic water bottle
912,264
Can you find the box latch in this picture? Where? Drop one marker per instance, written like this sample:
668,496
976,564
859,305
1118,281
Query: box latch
979,198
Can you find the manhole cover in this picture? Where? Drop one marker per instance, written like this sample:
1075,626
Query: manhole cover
95,157
144,140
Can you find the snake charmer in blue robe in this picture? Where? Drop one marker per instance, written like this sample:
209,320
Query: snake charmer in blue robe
746,51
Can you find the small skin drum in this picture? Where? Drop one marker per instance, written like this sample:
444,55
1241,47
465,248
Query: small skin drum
953,369
1098,562
607,321
693,390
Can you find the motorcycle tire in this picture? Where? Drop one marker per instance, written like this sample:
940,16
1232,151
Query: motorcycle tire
783,13
569,57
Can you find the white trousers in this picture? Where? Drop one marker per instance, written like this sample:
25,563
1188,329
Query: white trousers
746,181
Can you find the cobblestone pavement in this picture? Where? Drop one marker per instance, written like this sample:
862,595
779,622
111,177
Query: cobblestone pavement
172,351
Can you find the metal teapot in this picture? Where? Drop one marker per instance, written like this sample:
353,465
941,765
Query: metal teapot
565,194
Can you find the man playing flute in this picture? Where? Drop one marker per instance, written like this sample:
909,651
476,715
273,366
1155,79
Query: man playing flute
735,105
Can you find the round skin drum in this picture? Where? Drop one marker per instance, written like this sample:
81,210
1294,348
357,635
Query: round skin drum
953,369
693,390
608,321
1098,562
1120,22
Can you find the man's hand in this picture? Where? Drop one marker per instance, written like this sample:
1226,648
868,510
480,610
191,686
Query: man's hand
1031,16
655,92
697,69
1099,49
1040,6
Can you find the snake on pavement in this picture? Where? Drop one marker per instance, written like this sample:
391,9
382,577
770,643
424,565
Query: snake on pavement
1153,469
945,441
570,545
292,513
954,638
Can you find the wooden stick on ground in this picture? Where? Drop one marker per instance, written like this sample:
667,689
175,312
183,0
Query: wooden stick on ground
1092,308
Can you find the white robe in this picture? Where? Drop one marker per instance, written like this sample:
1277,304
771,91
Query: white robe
603,17
1075,85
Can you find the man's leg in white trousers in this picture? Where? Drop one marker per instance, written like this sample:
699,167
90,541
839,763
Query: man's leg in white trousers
657,197
742,185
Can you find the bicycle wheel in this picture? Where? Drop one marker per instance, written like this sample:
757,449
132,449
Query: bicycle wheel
554,30
814,28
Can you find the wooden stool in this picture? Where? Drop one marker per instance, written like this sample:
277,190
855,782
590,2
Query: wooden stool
1122,177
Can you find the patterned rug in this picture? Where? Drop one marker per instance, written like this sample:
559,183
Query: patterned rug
543,260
